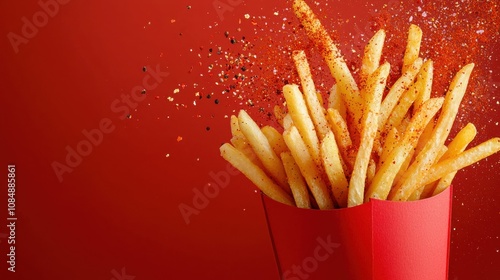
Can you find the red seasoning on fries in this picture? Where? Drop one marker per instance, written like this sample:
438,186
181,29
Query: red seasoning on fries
372,140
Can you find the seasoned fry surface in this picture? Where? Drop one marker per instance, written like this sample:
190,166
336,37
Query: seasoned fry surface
374,139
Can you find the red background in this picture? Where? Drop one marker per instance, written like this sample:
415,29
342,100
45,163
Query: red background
119,208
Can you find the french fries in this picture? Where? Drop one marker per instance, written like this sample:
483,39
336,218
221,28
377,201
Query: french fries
372,141
384,178
255,174
371,57
335,102
275,139
297,182
412,178
458,145
347,86
413,46
374,91
263,149
424,82
308,168
339,127
333,167
302,120
463,159
394,94
316,110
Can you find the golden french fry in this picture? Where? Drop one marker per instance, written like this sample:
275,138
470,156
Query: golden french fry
339,128
461,141
296,181
391,141
333,167
343,139
397,89
372,54
401,109
384,178
336,102
443,183
404,123
255,174
403,167
464,159
316,109
275,139
320,100
426,135
427,189
375,86
457,145
412,179
243,146
424,80
340,71
413,46
263,149
287,121
302,120
370,172
235,127
377,145
240,142
308,168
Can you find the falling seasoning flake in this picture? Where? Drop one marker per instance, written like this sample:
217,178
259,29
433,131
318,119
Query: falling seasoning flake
188,7
167,155
143,91
172,21
176,90
144,69
247,16
179,138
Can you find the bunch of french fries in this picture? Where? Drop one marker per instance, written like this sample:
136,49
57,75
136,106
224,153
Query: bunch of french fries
372,140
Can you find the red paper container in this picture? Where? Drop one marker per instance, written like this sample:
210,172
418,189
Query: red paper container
376,240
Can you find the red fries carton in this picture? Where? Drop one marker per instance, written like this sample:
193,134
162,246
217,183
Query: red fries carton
376,240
